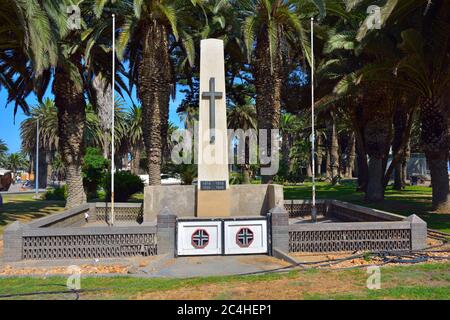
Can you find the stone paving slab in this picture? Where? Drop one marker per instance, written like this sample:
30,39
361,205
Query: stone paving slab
157,266
185,267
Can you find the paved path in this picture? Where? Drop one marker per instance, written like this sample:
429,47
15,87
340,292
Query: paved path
162,266
185,267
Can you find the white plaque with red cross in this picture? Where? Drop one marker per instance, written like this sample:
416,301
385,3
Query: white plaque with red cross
245,236
199,238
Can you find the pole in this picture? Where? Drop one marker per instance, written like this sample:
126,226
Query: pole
112,115
313,131
36,171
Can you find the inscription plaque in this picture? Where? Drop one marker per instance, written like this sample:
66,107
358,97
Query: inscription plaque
213,185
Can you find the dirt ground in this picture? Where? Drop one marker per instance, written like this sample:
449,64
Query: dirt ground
286,288
85,270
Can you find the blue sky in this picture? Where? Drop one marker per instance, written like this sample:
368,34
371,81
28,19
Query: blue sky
10,126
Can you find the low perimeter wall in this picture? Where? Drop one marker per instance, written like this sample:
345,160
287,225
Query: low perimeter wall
68,236
358,228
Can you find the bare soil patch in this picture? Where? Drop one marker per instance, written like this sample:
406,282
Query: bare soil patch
85,270
286,288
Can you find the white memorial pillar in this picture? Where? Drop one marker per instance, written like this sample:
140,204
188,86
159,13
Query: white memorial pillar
213,198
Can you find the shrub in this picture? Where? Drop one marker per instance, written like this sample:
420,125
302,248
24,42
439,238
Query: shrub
59,193
236,178
187,173
94,167
125,185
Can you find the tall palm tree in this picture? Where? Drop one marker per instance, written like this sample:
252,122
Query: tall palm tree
269,27
148,33
48,138
73,50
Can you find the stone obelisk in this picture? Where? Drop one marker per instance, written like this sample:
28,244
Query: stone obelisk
213,196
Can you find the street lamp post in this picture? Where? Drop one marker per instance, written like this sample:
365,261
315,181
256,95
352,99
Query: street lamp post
313,133
112,116
36,171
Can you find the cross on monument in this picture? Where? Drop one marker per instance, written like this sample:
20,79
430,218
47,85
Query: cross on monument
212,95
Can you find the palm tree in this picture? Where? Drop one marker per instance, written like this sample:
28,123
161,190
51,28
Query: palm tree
268,27
47,114
427,51
422,69
243,117
26,50
48,138
148,33
16,161
188,116
74,49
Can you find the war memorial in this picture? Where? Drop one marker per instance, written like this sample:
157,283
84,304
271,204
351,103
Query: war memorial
212,217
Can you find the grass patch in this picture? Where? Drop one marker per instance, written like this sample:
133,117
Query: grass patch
323,284
24,208
412,200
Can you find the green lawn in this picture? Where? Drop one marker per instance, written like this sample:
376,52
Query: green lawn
427,281
412,200
24,208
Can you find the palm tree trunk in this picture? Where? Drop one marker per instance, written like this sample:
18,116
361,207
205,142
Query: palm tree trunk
405,163
351,156
69,100
246,173
327,167
378,138
400,125
360,145
154,92
135,163
375,186
164,133
103,96
435,139
268,88
439,181
285,152
333,147
319,155
48,160
398,180
308,169
42,169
